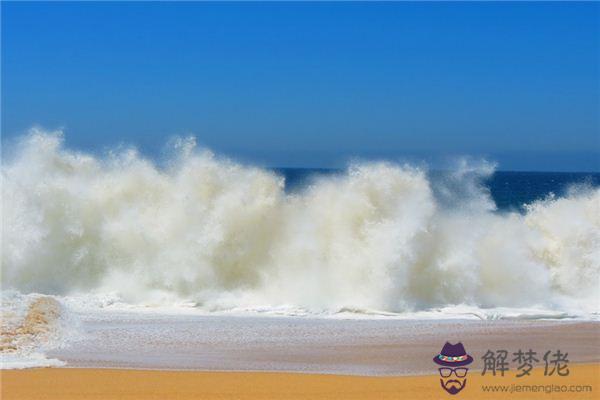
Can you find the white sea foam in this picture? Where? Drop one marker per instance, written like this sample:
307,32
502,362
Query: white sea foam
30,325
228,237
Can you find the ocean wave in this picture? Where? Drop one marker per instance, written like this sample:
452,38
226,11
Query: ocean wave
221,235
30,325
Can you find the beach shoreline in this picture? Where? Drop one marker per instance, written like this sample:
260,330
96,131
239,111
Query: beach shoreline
299,358
82,383
376,347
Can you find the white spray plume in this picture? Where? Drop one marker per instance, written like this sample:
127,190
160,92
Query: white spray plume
226,235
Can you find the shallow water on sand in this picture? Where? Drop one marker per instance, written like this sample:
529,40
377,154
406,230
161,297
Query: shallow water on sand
324,345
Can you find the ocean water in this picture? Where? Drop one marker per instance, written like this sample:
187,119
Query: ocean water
207,234
510,190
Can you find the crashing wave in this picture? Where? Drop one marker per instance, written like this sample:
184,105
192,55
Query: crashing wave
223,235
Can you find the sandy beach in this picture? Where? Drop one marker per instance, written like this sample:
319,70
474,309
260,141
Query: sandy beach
166,356
71,384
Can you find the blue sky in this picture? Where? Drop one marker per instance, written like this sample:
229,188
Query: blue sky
312,84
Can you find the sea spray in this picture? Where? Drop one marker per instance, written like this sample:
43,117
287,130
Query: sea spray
380,236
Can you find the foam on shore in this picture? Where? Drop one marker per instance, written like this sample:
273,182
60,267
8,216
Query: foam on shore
30,325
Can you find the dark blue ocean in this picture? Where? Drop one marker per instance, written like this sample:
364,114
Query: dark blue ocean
511,190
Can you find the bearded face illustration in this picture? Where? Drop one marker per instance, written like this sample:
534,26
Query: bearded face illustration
453,371
453,380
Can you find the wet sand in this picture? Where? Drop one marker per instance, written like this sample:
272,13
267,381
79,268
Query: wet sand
309,345
72,384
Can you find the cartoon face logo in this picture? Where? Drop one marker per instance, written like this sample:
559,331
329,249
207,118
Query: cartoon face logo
453,374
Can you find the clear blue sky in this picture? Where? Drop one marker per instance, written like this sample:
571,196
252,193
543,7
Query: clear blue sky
311,84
